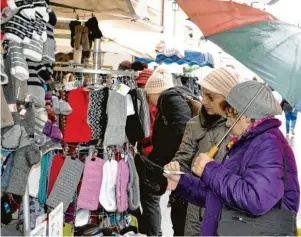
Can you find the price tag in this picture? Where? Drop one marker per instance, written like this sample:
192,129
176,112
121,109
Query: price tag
39,231
120,88
56,221
22,113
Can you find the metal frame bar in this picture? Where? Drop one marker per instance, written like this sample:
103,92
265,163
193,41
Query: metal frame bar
93,71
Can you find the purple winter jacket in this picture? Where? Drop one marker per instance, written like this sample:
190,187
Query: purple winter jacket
257,156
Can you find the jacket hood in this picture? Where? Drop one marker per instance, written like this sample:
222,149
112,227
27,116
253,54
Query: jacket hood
174,91
208,121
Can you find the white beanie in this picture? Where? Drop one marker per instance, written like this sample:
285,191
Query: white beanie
160,81
220,81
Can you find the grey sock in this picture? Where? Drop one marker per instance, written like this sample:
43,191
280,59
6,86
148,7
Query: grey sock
34,50
66,183
133,186
4,78
41,118
116,110
65,108
55,105
21,90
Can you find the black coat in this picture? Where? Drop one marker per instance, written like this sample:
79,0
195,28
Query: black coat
171,119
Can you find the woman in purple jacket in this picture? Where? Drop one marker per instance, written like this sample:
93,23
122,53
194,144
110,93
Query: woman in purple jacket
250,176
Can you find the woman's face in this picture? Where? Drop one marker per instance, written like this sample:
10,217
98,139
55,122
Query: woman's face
241,126
212,102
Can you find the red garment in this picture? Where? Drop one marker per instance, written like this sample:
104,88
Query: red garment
147,142
77,128
57,164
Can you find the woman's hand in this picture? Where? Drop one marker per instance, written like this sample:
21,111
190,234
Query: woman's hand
200,163
172,179
172,166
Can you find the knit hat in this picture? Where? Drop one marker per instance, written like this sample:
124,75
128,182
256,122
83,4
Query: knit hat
121,187
66,184
133,185
125,65
91,184
220,81
160,81
264,104
24,159
144,76
107,196
79,101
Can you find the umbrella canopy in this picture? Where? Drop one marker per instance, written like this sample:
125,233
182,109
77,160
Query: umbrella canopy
272,50
268,47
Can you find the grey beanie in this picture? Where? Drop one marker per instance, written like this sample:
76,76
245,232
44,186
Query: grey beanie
264,104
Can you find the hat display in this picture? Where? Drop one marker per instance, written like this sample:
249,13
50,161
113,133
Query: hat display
264,104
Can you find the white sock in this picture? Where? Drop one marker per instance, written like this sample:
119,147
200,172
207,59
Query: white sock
107,196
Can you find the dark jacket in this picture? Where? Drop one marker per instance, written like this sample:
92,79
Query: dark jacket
202,132
286,107
258,156
171,119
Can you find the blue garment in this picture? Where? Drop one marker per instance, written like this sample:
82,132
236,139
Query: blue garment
290,117
6,173
43,184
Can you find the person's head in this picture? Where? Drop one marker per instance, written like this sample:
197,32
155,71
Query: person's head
159,81
125,65
215,88
137,66
263,106
143,77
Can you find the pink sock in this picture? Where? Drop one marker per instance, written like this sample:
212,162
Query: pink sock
91,184
122,185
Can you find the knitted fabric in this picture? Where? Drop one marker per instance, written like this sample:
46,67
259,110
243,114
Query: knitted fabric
144,76
50,146
133,128
6,116
41,119
79,101
43,183
18,29
97,116
107,196
50,44
159,81
19,67
56,166
143,112
264,105
34,50
24,158
220,81
21,90
65,108
133,185
91,184
28,122
4,78
121,186
7,171
117,114
66,184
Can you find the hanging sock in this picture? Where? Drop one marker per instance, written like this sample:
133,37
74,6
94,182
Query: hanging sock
65,108
107,196
34,50
121,187
91,184
4,77
133,186
40,122
43,182
50,44
19,67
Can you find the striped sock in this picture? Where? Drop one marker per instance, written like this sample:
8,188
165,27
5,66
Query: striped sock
19,67
40,121
34,50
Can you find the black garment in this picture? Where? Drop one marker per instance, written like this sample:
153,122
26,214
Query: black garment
94,31
134,130
150,223
172,116
178,215
286,107
72,25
